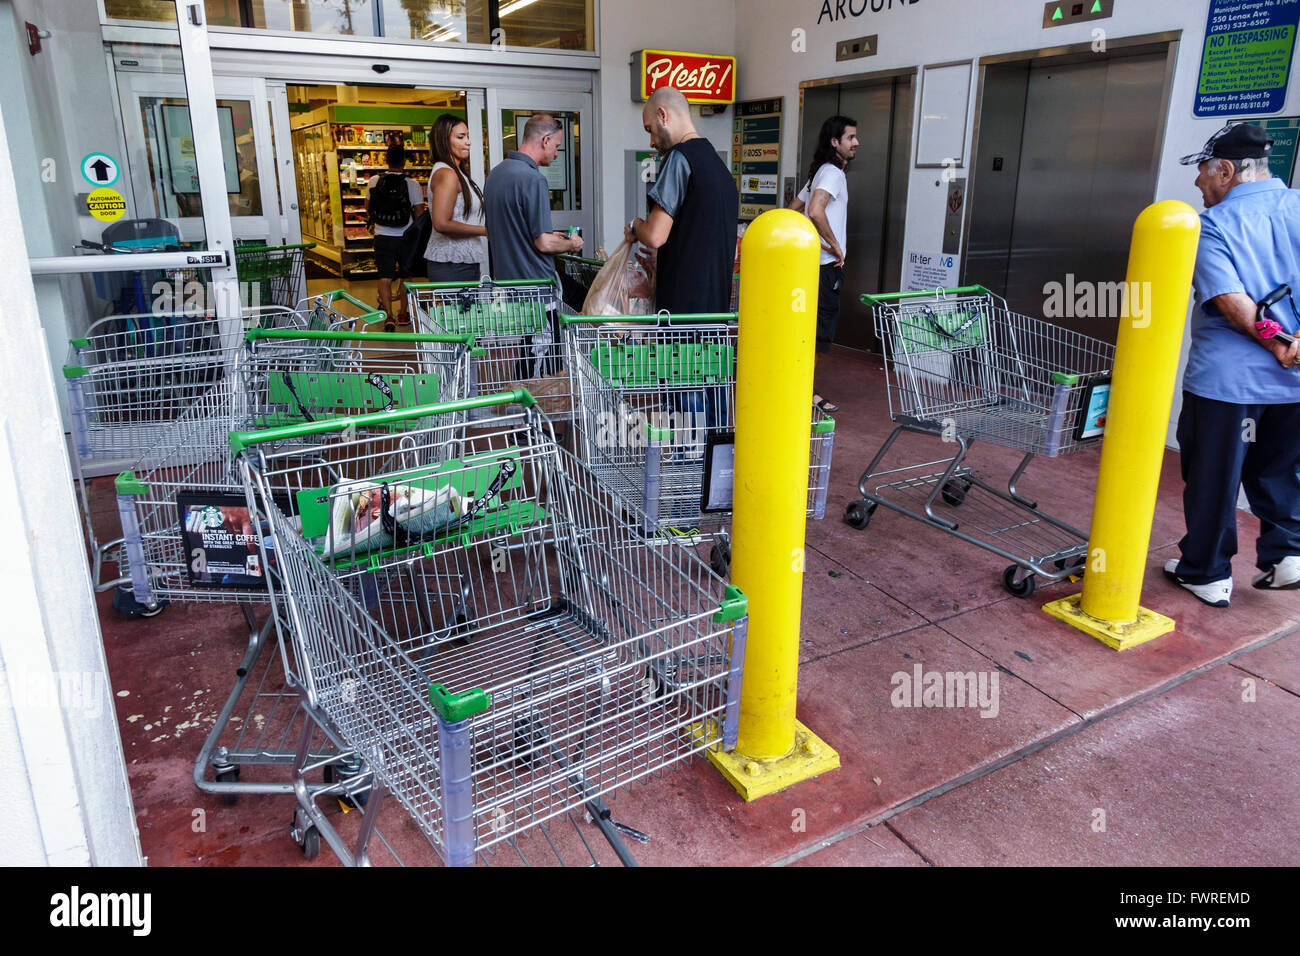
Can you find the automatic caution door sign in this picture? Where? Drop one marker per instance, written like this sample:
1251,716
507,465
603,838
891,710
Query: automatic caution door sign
107,205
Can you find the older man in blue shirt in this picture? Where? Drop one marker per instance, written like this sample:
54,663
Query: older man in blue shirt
1240,423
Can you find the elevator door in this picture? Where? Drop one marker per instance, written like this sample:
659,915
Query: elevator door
877,180
1065,163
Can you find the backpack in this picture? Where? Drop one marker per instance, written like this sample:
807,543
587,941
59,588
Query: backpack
390,203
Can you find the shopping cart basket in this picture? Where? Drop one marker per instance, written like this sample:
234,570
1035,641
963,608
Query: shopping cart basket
131,376
284,377
962,367
497,645
515,323
271,275
654,394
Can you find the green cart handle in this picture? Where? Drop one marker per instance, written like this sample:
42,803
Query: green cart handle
369,316
252,335
301,245
570,257
882,298
714,317
485,284
242,440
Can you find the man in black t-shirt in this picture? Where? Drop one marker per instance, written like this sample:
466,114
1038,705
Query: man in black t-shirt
692,225
692,222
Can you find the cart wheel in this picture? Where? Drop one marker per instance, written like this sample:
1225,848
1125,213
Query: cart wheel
720,558
311,843
229,776
1024,588
859,513
954,492
124,603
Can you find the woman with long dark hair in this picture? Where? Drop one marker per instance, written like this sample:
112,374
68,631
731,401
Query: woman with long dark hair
455,250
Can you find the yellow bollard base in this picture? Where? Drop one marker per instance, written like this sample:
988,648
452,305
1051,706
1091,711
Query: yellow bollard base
753,778
1148,626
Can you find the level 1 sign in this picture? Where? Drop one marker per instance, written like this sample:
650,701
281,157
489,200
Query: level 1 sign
756,155
1246,60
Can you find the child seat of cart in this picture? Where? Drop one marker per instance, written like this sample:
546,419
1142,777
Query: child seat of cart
473,477
312,395
467,313
691,363
926,328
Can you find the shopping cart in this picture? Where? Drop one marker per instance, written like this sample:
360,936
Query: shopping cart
284,377
131,376
515,323
497,646
961,367
656,402
271,275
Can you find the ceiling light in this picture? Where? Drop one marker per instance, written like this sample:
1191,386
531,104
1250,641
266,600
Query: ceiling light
514,6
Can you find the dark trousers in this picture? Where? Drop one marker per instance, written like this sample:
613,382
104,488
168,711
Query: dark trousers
452,271
1225,446
828,304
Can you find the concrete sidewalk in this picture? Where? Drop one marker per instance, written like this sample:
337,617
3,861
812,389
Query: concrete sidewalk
1160,738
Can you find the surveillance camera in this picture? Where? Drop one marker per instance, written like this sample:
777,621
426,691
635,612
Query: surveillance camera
380,68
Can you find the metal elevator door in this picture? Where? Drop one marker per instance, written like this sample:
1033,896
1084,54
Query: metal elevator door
877,180
1066,161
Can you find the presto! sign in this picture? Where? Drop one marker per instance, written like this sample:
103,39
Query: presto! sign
701,78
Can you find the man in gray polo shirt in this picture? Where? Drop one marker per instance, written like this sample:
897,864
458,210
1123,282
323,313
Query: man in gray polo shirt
517,204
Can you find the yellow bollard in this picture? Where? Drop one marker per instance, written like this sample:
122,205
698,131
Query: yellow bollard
1160,264
778,324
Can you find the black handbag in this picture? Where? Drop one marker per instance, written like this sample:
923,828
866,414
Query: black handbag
414,241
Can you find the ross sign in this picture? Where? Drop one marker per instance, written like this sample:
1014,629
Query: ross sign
699,77
1246,59
221,545
106,205
756,155
927,271
100,169
1281,161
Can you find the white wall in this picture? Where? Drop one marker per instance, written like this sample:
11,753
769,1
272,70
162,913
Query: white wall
919,32
59,107
692,26
64,789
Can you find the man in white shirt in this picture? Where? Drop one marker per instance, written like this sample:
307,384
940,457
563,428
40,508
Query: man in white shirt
393,201
825,199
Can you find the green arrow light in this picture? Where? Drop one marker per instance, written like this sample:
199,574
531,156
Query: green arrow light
1057,15
1096,7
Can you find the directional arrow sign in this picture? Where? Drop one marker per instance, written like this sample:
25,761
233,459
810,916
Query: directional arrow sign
100,169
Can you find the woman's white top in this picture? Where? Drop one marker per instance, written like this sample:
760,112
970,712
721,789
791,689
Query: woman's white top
443,248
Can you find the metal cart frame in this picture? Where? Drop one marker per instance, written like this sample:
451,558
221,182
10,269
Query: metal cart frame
643,384
585,660
961,367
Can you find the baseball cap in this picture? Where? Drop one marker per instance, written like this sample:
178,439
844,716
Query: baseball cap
1241,141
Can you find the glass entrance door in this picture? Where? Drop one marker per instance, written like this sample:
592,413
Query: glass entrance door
570,177
162,160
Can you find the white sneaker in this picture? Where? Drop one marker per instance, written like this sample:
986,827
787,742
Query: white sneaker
1215,594
1283,576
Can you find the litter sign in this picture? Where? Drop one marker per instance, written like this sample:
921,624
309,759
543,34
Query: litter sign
100,169
106,205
